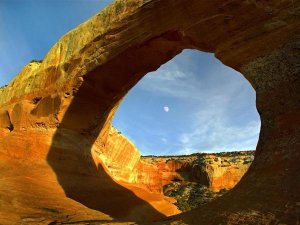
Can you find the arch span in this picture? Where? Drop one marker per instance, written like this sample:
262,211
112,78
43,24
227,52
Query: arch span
74,92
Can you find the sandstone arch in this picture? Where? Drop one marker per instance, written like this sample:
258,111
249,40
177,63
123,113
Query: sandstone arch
85,75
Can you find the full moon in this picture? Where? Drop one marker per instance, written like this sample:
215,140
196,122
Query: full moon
166,109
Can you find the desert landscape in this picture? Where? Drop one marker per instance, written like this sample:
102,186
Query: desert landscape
63,162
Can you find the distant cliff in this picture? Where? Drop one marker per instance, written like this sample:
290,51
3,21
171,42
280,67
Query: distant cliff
216,171
194,180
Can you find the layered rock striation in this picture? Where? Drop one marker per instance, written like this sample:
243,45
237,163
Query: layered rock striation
55,116
215,171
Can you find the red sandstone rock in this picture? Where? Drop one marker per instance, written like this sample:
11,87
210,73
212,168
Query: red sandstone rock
216,171
61,110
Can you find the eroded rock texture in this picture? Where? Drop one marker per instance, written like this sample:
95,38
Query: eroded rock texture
215,171
55,116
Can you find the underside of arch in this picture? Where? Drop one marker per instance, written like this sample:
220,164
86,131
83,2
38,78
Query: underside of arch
66,103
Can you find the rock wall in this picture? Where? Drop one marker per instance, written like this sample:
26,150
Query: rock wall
122,157
215,171
56,115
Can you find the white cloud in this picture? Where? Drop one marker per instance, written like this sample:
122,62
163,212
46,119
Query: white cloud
218,99
211,132
213,127
187,151
164,140
170,81
220,96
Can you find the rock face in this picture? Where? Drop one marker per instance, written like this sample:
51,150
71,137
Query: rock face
215,171
55,116
122,157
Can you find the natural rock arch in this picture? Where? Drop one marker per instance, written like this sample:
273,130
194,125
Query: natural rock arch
83,78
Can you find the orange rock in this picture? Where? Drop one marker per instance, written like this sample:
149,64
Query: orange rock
61,112
216,171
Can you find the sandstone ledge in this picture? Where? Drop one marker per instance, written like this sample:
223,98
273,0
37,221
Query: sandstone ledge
66,103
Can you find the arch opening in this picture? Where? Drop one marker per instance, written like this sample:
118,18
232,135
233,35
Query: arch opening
101,91
191,98
95,69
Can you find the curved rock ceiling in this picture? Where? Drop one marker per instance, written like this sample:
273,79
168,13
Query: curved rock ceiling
55,116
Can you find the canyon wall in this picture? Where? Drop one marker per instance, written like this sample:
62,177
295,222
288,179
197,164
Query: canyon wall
215,171
55,116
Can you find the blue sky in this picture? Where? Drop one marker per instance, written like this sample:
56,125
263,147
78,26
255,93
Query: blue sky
192,103
29,28
211,108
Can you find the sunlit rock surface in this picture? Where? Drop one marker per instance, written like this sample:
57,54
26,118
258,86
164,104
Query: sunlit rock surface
215,171
55,116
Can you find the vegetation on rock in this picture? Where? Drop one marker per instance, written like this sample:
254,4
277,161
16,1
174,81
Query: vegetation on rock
36,61
190,195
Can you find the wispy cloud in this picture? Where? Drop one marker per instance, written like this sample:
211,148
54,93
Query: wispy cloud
170,81
220,96
164,140
216,136
212,108
215,126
